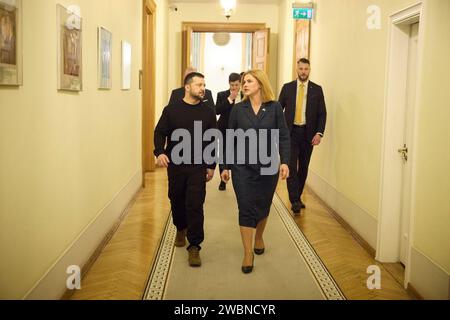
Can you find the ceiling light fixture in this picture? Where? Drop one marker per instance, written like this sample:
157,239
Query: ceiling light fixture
229,6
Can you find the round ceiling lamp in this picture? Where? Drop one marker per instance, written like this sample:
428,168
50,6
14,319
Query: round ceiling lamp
221,38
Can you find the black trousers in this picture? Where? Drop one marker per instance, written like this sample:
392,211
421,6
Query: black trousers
301,151
223,145
187,191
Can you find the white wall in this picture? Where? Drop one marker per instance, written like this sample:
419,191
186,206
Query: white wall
161,58
64,156
349,61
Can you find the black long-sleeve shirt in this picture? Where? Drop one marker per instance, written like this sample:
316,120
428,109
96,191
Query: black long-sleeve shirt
178,95
182,115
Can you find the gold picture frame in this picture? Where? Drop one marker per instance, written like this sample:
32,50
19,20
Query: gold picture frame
302,41
70,35
11,43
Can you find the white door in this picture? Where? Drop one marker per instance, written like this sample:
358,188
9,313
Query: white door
408,137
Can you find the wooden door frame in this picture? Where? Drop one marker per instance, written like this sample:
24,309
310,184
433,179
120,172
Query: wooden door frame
213,27
389,218
148,86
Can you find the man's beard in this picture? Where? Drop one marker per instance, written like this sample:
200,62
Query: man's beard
199,97
303,78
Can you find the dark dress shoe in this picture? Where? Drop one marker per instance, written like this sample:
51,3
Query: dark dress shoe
259,251
296,207
248,269
222,186
302,205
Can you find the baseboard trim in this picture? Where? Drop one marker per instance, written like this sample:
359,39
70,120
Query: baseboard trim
412,291
89,244
344,224
428,278
427,281
362,225
84,271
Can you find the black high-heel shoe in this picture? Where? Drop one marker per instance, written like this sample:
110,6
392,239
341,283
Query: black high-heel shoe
248,269
259,251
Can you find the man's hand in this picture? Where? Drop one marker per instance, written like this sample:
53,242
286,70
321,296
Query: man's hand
225,176
233,95
284,170
163,161
209,175
317,140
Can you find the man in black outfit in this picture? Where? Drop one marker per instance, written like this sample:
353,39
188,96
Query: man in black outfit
306,116
178,94
225,103
187,181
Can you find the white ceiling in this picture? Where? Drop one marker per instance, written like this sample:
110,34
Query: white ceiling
237,1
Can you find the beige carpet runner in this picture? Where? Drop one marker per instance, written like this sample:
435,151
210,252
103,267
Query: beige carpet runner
288,270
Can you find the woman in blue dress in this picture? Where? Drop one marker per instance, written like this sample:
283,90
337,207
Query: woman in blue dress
253,182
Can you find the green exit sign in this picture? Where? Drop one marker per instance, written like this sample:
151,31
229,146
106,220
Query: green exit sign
303,13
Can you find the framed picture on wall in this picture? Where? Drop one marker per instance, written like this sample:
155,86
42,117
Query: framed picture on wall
69,46
126,65
302,41
104,58
10,42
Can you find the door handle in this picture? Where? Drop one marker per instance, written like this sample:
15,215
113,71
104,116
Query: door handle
404,153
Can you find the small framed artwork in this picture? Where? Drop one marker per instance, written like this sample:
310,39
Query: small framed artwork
301,41
126,65
104,58
69,46
10,42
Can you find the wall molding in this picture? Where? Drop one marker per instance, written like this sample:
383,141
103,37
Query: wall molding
428,279
362,225
87,246
411,290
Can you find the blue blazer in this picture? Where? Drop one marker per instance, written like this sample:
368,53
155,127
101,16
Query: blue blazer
270,117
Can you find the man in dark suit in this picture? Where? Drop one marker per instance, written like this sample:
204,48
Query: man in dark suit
305,112
224,104
178,94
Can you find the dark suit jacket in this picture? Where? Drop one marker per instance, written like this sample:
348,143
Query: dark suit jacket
178,94
316,112
270,116
223,109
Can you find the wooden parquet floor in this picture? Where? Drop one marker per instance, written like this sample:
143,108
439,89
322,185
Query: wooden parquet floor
343,256
122,268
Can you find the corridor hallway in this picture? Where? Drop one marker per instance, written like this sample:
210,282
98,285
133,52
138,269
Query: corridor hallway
83,84
123,267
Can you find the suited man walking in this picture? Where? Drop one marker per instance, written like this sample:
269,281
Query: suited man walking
305,112
177,95
225,102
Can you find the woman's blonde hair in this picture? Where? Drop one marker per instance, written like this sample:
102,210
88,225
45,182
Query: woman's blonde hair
267,94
